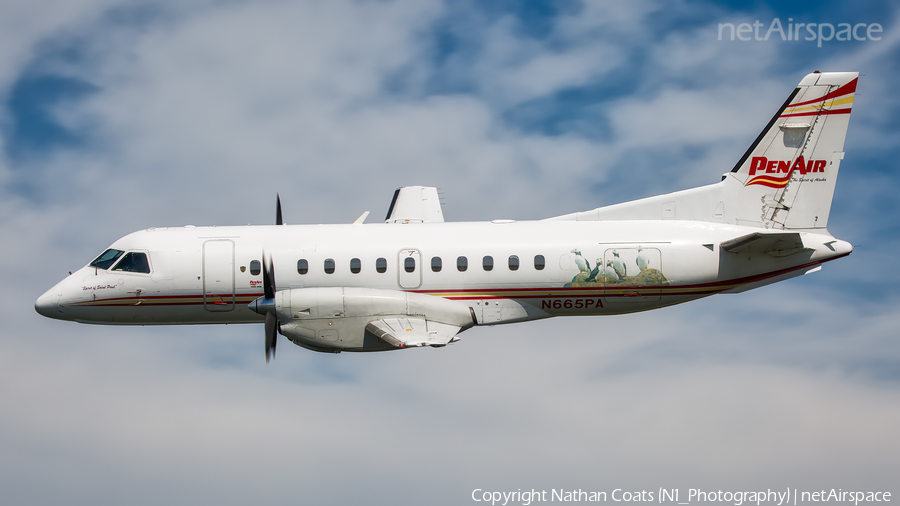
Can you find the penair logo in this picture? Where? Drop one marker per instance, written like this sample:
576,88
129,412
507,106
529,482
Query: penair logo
781,170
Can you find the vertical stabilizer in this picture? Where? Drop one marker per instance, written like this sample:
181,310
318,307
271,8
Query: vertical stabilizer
785,180
787,176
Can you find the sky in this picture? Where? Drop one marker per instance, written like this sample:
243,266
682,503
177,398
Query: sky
117,116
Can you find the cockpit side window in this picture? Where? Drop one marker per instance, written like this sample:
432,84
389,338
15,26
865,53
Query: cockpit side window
106,259
133,262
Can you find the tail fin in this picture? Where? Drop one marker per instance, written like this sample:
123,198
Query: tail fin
788,174
784,181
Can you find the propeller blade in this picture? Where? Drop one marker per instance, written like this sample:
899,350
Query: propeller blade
271,335
268,277
278,220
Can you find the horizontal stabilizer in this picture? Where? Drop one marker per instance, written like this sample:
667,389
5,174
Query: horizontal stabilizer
403,332
776,244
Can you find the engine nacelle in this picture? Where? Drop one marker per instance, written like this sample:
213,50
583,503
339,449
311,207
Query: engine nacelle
334,319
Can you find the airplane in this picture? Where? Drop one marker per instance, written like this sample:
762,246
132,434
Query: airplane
416,280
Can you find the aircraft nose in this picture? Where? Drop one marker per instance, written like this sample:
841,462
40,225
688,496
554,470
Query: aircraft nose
48,304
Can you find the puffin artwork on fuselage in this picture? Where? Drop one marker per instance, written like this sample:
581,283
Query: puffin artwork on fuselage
415,280
611,268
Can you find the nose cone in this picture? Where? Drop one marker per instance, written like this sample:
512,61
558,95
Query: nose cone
48,304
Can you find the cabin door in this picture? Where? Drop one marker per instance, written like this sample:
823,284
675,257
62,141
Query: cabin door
218,275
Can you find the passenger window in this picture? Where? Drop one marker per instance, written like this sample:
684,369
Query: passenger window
254,267
106,259
329,266
409,263
539,262
302,266
462,263
381,265
513,263
488,263
133,262
436,264
355,266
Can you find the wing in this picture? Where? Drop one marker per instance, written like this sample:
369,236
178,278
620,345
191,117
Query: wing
402,332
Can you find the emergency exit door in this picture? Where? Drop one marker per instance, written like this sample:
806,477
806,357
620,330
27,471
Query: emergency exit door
409,269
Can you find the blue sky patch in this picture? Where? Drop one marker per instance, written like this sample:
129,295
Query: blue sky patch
34,128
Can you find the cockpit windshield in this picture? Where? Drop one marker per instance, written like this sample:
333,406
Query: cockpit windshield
106,259
133,262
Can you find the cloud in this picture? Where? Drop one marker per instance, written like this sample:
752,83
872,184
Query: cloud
203,111
605,406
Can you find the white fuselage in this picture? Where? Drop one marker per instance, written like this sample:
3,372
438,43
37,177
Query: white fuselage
206,274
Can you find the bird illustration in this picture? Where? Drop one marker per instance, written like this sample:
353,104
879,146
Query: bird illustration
592,278
618,265
610,272
642,261
582,264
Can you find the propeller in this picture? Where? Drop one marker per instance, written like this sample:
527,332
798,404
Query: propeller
268,277
271,335
266,305
278,220
269,294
